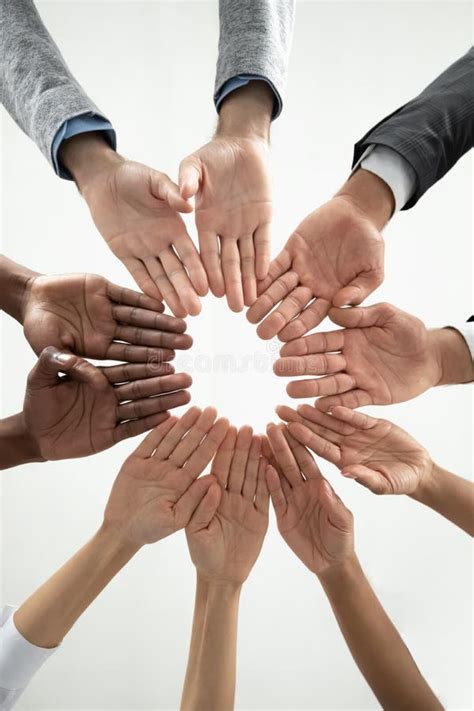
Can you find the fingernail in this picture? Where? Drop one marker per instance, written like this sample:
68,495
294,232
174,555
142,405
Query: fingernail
329,410
63,357
348,475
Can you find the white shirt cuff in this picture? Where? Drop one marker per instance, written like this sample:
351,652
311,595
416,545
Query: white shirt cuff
467,330
19,659
393,169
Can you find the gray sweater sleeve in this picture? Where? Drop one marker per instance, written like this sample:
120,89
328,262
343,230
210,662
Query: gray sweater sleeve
255,38
36,87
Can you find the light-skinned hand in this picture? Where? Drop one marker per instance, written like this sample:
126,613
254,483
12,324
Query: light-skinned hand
310,516
225,542
159,486
90,409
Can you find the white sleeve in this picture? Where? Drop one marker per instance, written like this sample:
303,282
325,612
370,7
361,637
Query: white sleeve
466,330
19,660
393,169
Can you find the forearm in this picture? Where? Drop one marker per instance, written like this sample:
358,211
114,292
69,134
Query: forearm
48,615
86,156
16,445
453,355
374,642
370,195
449,495
15,283
247,112
210,675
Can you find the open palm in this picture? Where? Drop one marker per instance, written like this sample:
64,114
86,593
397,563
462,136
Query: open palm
227,546
376,452
382,356
89,316
230,180
335,256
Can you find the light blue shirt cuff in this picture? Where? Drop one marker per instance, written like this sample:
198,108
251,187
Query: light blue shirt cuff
242,80
72,127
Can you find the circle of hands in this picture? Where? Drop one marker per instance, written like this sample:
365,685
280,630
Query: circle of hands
334,258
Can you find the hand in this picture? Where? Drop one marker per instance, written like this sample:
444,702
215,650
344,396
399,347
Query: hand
157,489
92,408
376,453
135,208
311,518
225,544
230,179
335,256
89,316
382,356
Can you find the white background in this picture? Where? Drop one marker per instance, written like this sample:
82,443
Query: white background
150,67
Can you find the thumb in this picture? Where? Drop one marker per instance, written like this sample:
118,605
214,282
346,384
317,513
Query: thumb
52,362
163,188
358,289
337,513
190,176
361,317
206,509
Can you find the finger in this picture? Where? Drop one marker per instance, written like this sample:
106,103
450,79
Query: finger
197,498
278,267
190,176
205,511
223,459
157,273
262,242
276,292
137,427
192,261
359,289
177,275
372,480
163,188
152,386
230,259
321,446
157,339
290,307
283,454
249,487
330,433
359,420
362,317
146,448
328,385
239,460
199,460
247,264
193,438
267,452
329,342
310,317
339,516
126,372
262,495
151,405
178,431
146,318
352,399
52,362
138,354
314,416
305,461
277,496
209,250
143,279
124,297
316,364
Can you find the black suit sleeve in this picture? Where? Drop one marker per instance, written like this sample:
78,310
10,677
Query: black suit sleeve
433,130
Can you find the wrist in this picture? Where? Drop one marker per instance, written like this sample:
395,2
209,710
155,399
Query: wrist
113,545
15,283
210,587
427,483
86,156
247,112
453,356
18,446
370,195
341,575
